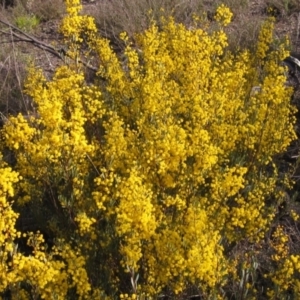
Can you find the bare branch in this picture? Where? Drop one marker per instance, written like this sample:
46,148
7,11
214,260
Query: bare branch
25,37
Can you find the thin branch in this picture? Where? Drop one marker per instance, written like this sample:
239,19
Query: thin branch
31,39
25,37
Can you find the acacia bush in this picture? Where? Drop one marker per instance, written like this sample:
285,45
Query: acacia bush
149,177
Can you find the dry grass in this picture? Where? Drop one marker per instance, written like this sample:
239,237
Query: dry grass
116,16
42,10
12,74
47,10
15,56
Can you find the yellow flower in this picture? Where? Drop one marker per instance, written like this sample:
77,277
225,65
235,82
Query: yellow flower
223,15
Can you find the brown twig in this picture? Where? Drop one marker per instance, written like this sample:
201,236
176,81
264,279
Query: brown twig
25,37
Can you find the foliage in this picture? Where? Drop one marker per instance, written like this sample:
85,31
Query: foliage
27,23
22,17
148,177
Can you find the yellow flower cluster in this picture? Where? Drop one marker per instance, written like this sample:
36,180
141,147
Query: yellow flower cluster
294,215
286,277
74,25
280,244
223,15
193,257
265,38
8,218
84,223
135,222
151,172
46,276
76,270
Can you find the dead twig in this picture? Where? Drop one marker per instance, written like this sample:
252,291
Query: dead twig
22,36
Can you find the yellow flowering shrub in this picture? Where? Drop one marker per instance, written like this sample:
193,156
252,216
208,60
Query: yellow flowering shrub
8,217
150,174
286,278
223,15
47,276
